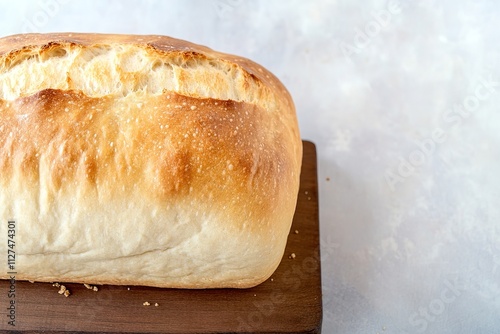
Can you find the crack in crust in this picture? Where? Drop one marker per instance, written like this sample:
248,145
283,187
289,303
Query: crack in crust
100,65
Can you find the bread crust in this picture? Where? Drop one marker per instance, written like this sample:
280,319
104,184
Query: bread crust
162,163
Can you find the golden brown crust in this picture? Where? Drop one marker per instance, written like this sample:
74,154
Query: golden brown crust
164,147
197,191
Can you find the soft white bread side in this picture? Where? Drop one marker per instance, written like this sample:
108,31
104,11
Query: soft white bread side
144,160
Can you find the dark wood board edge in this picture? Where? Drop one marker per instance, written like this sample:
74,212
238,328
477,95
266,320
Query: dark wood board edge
311,170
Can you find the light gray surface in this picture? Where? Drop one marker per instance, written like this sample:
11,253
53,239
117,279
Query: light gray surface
402,103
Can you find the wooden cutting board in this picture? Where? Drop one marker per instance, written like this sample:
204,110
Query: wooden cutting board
289,302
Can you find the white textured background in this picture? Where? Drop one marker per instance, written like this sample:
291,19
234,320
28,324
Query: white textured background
402,101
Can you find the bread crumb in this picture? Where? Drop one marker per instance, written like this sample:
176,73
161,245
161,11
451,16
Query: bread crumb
31,281
91,287
309,198
63,291
306,192
193,107
128,289
156,304
293,256
296,231
146,304
272,279
327,179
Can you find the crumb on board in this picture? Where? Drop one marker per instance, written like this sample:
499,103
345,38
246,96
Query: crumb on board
146,304
31,281
293,256
62,289
306,192
309,198
91,287
272,279
156,304
296,231
128,289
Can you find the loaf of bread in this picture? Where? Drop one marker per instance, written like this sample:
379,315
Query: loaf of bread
143,160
